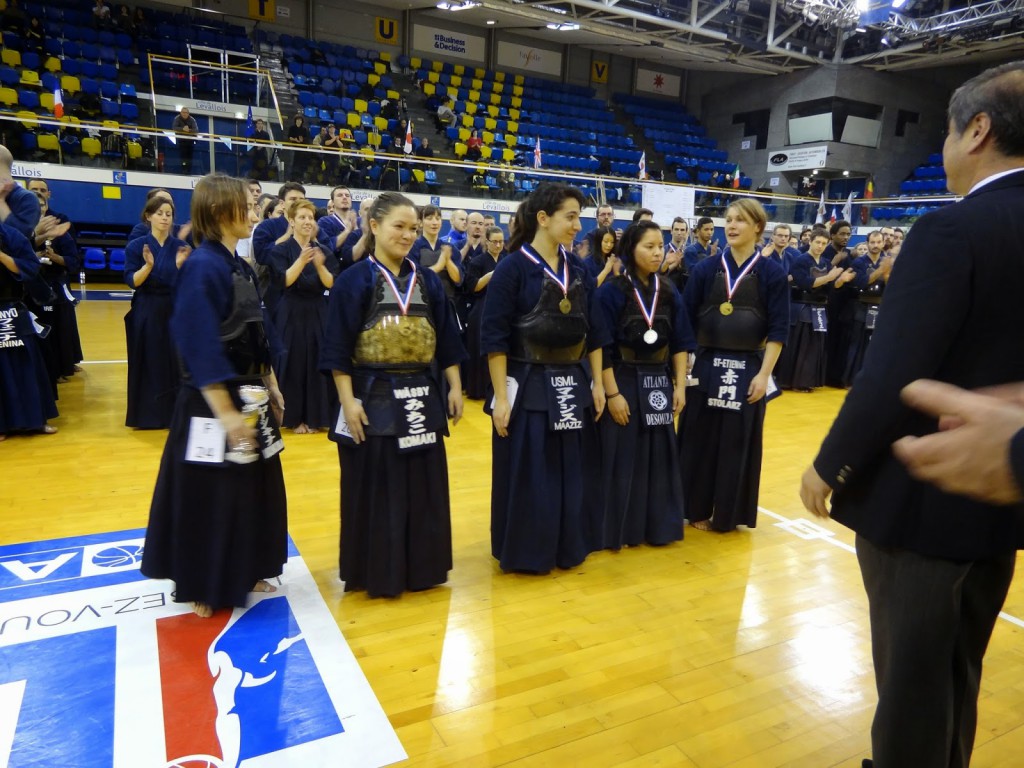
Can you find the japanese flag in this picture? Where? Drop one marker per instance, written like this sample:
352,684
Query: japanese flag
408,139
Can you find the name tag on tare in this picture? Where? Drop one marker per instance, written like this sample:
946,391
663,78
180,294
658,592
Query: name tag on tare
341,427
511,390
206,441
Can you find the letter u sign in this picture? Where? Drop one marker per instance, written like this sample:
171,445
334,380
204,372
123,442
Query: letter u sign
385,30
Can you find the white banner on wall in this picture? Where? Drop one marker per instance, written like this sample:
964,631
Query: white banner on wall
668,201
539,60
441,42
652,81
797,158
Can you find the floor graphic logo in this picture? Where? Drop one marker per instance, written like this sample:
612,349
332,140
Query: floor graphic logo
99,668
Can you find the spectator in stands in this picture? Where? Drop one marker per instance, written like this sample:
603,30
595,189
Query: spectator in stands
34,37
474,147
101,17
703,247
19,208
13,19
123,19
398,136
185,126
298,133
140,24
643,214
424,150
259,153
446,117
331,142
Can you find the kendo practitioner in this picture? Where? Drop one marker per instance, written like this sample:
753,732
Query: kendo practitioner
871,274
26,396
390,335
58,255
644,377
539,333
341,227
218,524
840,305
803,360
303,272
151,267
738,305
674,268
440,257
478,277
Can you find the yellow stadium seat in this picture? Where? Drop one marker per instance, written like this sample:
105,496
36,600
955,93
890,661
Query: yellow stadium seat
373,139
380,67
519,80
479,72
429,89
513,115
517,90
48,142
433,77
381,123
498,88
352,120
46,101
512,126
511,139
110,125
30,77
394,95
70,84
361,106
499,77
419,175
508,155
493,110
28,119
467,120
10,57
474,96
490,124
8,96
464,134
385,56
367,151
459,70
460,149
476,84
485,152
488,137
495,99
373,79
415,62
52,64
456,81
517,102
91,146
437,66
134,150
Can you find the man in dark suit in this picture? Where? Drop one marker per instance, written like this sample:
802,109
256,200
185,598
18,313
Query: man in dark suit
936,566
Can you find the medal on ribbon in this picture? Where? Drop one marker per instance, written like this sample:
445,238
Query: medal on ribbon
726,307
650,335
564,306
403,301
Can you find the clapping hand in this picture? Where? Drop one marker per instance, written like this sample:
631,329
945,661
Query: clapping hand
181,255
147,255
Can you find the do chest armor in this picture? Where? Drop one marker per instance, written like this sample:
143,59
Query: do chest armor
389,339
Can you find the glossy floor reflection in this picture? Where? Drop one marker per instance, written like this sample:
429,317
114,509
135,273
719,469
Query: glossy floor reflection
748,649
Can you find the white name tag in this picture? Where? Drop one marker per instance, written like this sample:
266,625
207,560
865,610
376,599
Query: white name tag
206,441
772,387
67,292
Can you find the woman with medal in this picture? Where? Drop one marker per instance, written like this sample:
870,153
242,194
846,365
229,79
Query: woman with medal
645,383
538,330
218,524
303,272
389,328
802,363
151,266
478,277
738,305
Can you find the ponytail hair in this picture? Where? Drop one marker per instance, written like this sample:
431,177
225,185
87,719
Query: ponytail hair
380,207
547,197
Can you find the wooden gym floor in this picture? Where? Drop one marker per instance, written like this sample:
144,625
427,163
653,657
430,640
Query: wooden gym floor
748,649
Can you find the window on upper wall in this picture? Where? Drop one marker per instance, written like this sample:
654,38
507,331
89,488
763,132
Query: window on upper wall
755,124
835,119
904,118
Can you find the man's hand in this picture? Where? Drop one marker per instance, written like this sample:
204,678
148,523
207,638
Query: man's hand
814,493
970,455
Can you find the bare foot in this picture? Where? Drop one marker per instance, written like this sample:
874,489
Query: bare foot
702,525
2,438
264,586
302,429
202,610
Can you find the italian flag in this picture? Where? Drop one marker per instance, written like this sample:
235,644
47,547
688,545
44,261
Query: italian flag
58,104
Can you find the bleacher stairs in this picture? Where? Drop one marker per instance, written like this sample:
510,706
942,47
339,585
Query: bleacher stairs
655,160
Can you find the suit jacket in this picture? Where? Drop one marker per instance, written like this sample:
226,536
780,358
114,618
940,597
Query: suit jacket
952,313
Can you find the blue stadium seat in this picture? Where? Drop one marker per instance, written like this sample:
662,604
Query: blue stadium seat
117,259
95,259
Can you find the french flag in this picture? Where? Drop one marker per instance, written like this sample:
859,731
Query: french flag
536,154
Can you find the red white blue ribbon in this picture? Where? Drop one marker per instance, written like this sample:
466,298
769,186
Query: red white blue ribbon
403,301
648,316
732,285
562,283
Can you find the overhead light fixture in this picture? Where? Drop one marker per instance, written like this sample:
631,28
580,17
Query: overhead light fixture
491,22
463,6
897,4
846,173
862,5
862,30
563,27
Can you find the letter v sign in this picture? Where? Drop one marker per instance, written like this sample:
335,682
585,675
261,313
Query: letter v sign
37,570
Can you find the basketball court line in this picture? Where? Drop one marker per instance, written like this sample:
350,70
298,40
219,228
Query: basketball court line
104,362
808,529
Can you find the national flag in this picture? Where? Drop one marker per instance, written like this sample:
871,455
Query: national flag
821,210
643,165
848,209
58,104
250,126
833,219
736,177
408,139
869,192
536,153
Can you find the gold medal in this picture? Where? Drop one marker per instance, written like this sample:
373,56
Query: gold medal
725,308
565,305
